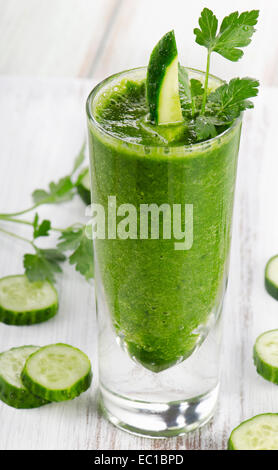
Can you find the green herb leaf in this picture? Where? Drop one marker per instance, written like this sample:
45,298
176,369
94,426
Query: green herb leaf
229,100
206,35
196,87
197,91
74,239
235,32
190,89
184,81
43,265
82,258
70,237
204,128
40,229
58,192
64,189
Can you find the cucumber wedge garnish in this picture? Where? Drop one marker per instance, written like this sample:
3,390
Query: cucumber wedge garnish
84,186
163,82
57,372
25,303
265,355
12,390
271,277
257,433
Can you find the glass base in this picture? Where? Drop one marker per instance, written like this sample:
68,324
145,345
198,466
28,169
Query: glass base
158,420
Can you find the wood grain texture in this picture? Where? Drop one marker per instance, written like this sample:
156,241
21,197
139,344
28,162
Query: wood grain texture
52,37
100,37
42,126
139,25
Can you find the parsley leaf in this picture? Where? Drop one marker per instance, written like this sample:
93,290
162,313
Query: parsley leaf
223,106
196,87
82,258
70,237
197,91
236,31
229,100
75,239
64,189
184,81
40,229
206,35
190,89
58,192
43,265
204,128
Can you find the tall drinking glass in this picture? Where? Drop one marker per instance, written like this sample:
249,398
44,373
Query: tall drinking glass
159,297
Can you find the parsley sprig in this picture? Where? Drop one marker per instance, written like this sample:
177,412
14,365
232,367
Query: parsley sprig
45,263
74,239
235,32
206,112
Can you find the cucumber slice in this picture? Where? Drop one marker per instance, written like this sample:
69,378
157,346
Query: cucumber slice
265,355
25,303
84,186
57,372
12,390
271,277
257,433
163,82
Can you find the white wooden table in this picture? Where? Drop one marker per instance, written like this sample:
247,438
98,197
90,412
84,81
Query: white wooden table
85,38
42,125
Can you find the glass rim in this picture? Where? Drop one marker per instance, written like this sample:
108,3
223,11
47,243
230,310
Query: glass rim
185,147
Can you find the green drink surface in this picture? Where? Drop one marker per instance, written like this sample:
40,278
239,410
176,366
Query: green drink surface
162,301
124,114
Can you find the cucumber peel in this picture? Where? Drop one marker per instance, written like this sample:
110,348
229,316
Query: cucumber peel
25,303
271,277
265,355
12,390
84,186
162,82
57,372
257,433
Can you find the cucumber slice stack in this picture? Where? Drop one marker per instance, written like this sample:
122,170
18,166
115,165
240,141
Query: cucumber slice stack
265,354
57,372
12,390
25,303
31,376
257,433
271,277
84,186
163,82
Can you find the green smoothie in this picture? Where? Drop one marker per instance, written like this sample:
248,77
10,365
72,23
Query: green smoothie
162,302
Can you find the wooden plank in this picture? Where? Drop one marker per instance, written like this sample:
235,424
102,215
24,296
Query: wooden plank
80,38
139,25
52,37
42,126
